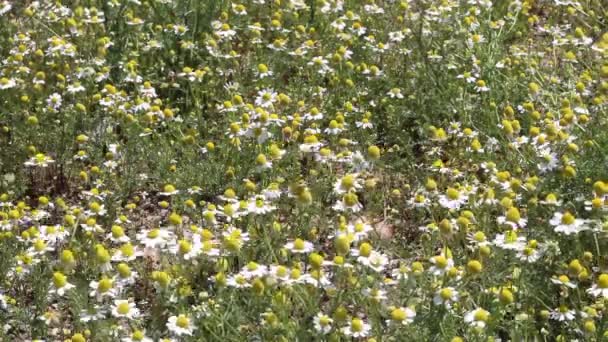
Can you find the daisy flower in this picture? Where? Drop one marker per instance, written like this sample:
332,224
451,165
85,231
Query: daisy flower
395,93
311,144
567,224
452,199
169,190
357,328
563,313
180,325
238,281
359,230
477,318
401,315
299,246
39,160
137,336
375,260
102,288
441,265
124,309
563,280
350,201
510,240
7,83
446,296
258,205
513,219
322,323
600,288
347,183
254,270
153,238
60,284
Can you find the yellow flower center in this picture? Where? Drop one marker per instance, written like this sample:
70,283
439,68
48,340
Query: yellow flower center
453,194
365,249
123,308
281,271
39,245
182,321
351,199
184,247
513,215
356,325
127,250
398,314
446,293
137,335
481,315
299,244
511,236
104,285
602,281
117,231
124,270
59,280
568,218
441,261
347,182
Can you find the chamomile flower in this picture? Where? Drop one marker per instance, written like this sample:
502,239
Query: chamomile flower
452,199
401,316
60,284
322,323
299,246
7,83
259,205
103,288
510,240
563,313
563,280
477,318
180,325
137,336
169,190
125,309
600,287
441,265
375,260
40,160
349,202
567,224
357,328
446,297
347,183
154,238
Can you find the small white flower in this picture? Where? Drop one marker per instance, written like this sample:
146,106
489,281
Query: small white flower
180,325
600,288
124,309
567,224
477,318
562,314
357,328
322,323
300,246
446,296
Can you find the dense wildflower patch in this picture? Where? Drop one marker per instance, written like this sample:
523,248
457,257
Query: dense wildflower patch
291,170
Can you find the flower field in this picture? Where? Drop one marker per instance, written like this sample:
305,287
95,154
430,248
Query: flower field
303,170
